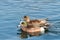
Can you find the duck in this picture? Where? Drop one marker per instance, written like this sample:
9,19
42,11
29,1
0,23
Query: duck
36,22
30,29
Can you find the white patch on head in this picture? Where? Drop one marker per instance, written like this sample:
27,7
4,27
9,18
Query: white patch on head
19,26
23,25
21,22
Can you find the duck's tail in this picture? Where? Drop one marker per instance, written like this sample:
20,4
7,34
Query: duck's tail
46,19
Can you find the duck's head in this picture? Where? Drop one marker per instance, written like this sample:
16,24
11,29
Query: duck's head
26,18
23,24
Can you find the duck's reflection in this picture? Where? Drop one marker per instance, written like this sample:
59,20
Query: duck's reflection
23,34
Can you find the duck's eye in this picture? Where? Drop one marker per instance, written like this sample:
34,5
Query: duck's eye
22,23
25,16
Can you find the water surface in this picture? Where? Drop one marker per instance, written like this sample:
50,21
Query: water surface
12,11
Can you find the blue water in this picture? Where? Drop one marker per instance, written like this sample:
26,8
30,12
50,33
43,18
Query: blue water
12,11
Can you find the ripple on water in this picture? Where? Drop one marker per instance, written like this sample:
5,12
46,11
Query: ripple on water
11,11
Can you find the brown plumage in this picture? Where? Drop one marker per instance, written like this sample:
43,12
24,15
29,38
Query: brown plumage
35,22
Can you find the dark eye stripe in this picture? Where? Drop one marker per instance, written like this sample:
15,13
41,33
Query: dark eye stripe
25,16
22,23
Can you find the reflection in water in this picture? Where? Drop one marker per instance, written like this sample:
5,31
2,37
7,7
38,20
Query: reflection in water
23,34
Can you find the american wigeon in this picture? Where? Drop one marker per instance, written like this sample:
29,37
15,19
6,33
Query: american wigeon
31,29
